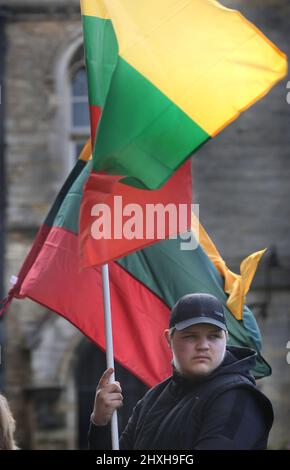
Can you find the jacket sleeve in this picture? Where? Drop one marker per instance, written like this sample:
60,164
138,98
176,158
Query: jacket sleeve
100,436
234,421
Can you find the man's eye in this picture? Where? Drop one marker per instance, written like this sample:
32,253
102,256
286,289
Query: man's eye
215,336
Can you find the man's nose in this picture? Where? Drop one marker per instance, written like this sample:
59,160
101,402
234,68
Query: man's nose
202,344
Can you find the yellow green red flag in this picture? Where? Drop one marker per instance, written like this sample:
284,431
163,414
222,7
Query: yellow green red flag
165,76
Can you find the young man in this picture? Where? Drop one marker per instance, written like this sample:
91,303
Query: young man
211,400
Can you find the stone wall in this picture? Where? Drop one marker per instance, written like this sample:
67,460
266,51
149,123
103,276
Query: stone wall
36,168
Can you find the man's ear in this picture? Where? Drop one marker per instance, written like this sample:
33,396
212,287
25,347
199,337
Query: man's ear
167,337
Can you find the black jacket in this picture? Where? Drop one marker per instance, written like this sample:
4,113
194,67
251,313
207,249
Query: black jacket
224,410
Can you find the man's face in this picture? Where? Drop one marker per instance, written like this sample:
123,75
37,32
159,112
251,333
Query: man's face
198,349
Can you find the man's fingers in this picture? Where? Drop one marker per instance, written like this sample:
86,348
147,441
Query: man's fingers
114,387
109,399
115,396
110,388
118,404
104,380
115,403
118,383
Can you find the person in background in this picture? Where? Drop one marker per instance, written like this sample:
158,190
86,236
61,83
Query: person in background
7,426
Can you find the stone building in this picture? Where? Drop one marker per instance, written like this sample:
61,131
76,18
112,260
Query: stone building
240,180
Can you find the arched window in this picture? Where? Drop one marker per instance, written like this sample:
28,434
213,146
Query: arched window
79,107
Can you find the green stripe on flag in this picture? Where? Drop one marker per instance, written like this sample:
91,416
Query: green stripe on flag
101,51
68,213
76,173
152,146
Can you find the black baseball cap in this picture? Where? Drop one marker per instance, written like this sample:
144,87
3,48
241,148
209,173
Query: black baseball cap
192,309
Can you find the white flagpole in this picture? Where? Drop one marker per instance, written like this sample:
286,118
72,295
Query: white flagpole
109,347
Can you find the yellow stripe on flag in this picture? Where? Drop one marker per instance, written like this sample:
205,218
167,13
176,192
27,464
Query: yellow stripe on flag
209,60
241,285
86,153
94,8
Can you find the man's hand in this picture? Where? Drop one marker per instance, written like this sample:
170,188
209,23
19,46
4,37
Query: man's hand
108,398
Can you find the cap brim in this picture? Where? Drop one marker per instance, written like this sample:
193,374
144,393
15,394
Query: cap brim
194,321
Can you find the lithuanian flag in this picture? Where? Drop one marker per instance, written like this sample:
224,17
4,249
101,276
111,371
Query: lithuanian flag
167,75
163,77
143,286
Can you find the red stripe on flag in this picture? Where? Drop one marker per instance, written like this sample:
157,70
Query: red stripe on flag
103,188
95,114
139,317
